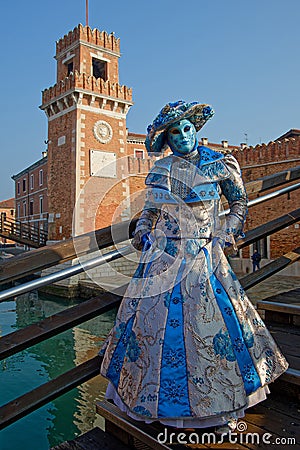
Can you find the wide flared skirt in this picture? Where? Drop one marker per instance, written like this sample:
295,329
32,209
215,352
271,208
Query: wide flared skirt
188,347
191,422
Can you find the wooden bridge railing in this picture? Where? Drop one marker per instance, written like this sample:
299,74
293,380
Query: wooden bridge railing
53,325
58,253
271,181
22,232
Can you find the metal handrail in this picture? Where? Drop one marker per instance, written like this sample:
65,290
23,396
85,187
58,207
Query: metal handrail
65,273
266,197
116,254
62,251
32,334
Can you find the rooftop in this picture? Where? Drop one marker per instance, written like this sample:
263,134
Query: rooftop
9,203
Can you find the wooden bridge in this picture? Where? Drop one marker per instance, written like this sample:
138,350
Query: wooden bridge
281,313
22,232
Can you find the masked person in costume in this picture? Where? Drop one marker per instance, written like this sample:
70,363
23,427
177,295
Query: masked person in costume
188,348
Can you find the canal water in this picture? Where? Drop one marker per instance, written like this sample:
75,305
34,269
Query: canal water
73,413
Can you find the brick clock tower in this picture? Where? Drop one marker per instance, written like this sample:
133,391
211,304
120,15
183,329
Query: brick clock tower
87,135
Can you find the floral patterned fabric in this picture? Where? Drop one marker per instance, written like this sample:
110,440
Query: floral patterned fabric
187,342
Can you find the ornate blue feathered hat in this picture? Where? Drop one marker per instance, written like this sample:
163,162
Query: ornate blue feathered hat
195,112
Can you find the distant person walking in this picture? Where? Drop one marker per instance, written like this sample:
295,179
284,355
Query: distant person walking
256,258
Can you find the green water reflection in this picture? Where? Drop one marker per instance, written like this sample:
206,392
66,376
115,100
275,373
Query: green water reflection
74,412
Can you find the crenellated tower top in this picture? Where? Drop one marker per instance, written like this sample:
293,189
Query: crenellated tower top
87,73
93,37
88,51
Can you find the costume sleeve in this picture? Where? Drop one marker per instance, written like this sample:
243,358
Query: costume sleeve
144,225
234,191
157,177
147,218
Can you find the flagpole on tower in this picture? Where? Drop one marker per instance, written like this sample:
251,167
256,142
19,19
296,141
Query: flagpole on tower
86,13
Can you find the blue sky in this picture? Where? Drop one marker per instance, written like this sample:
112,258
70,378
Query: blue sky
242,57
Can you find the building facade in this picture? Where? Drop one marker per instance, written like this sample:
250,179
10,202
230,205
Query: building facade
31,194
94,170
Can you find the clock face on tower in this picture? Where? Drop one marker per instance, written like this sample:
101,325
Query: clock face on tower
103,131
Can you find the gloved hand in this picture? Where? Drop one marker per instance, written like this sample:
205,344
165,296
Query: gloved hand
226,240
140,240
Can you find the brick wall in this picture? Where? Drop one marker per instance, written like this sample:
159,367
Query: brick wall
61,174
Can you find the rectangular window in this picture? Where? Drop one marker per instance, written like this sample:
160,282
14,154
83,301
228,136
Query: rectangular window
138,153
18,187
99,69
31,208
69,68
18,210
41,177
41,205
24,184
24,209
31,181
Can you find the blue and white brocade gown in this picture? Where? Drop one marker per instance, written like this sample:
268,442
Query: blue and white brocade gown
188,348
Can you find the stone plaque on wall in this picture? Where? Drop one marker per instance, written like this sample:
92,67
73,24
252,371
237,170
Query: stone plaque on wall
103,164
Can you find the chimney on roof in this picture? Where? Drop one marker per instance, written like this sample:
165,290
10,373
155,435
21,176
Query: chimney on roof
44,154
243,145
225,144
204,141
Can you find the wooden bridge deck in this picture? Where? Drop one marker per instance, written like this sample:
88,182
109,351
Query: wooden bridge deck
275,422
291,297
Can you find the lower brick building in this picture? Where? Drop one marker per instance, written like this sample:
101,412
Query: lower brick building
31,194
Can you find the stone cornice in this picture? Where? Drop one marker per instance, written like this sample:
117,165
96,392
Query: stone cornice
136,140
80,82
87,44
72,98
33,166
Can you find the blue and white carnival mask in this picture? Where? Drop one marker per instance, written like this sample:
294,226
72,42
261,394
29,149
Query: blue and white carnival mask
181,137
